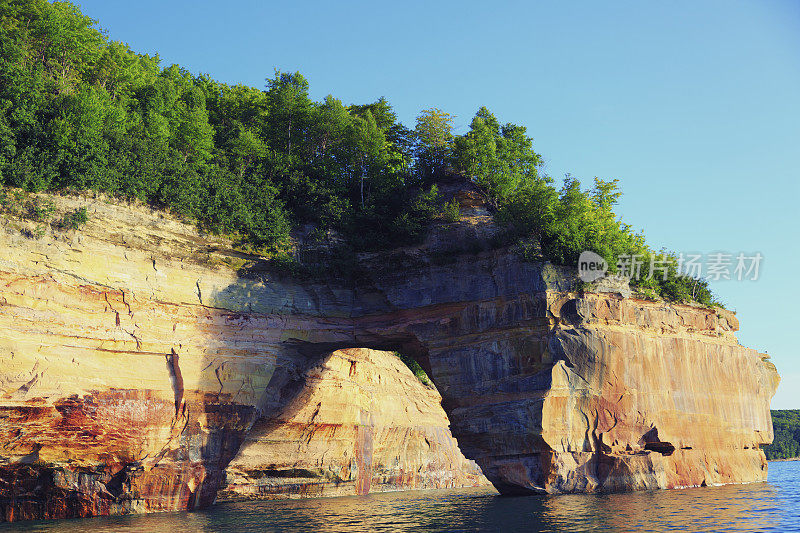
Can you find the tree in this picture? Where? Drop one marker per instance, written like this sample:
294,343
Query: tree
289,108
434,142
399,139
500,159
369,144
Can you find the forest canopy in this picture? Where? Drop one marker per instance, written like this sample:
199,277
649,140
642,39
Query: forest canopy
786,425
79,111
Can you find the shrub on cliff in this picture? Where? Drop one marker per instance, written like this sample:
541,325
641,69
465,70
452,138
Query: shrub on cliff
564,221
570,220
415,368
73,219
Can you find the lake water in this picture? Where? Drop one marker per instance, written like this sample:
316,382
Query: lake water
770,506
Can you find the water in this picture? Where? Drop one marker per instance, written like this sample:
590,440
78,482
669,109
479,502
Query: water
770,506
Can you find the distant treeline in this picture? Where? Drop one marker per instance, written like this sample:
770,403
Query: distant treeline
79,111
786,424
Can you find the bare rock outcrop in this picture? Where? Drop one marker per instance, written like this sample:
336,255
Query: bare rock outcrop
362,423
136,357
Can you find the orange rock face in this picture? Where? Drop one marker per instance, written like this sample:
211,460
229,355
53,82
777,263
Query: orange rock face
362,423
646,395
136,365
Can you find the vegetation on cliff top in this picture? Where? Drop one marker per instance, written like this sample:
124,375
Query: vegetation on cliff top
79,111
786,424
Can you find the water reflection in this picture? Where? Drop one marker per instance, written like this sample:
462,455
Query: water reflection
729,508
761,507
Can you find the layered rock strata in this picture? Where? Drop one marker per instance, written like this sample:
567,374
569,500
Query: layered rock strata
362,423
135,360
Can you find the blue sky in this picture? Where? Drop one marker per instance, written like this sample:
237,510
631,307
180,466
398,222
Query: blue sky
693,106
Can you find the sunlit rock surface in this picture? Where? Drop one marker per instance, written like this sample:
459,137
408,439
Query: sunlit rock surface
135,360
362,423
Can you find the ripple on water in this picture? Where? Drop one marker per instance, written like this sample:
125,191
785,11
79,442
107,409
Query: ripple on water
771,506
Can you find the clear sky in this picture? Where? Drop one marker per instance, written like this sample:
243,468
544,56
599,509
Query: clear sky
693,106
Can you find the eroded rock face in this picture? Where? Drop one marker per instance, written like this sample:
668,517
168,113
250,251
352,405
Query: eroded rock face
362,423
644,396
134,362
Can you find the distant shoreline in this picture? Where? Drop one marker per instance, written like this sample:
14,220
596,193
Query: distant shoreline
782,460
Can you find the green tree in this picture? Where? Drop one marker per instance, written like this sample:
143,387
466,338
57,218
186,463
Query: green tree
500,159
434,142
289,108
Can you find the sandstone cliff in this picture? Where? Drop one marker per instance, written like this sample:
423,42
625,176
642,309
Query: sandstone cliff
135,360
362,423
